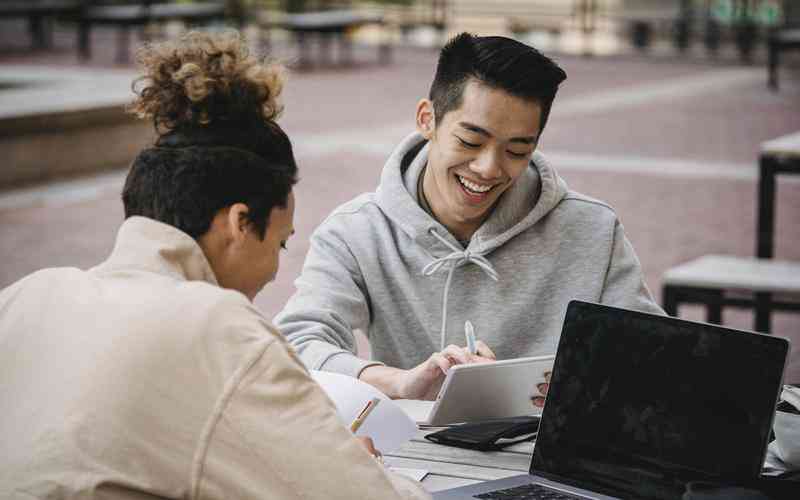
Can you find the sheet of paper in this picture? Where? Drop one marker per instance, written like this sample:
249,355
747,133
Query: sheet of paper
418,411
387,425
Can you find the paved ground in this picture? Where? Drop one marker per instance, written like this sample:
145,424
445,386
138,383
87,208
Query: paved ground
671,144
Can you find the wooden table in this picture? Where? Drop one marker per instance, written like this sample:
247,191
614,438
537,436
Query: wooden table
449,467
762,283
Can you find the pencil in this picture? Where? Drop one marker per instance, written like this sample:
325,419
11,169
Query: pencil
363,414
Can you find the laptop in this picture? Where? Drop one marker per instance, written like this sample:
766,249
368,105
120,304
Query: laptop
483,391
640,405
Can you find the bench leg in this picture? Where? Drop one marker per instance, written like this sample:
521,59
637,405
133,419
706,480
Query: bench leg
763,320
84,41
772,65
36,27
714,308
670,299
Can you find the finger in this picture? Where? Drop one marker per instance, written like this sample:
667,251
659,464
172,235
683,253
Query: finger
458,354
543,387
440,361
368,444
538,401
547,376
481,359
484,351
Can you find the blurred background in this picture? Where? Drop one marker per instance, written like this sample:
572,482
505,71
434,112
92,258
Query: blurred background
665,115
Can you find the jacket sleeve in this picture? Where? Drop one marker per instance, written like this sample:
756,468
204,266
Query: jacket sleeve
624,283
331,302
276,435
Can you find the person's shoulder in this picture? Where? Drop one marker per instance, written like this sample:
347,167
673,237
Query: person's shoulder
359,206
222,301
221,323
584,205
47,278
351,217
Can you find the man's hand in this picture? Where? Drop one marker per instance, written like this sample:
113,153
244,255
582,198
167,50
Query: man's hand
538,399
424,380
367,443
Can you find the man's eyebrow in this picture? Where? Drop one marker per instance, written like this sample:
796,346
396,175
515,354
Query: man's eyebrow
482,131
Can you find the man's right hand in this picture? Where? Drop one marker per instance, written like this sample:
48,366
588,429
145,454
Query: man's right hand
424,380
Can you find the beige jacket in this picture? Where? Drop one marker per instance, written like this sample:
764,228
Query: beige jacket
141,378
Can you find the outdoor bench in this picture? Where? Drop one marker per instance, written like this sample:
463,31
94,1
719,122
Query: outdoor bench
140,14
38,13
779,41
760,283
326,25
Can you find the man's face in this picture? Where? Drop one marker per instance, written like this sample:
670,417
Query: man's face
476,152
260,258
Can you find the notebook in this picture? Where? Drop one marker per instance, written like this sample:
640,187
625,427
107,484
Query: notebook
641,405
482,391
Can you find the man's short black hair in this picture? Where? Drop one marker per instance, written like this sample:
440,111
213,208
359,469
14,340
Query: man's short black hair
498,62
193,172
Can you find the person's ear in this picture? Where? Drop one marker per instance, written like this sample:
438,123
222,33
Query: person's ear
426,120
238,223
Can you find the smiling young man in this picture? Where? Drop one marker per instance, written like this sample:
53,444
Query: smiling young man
469,222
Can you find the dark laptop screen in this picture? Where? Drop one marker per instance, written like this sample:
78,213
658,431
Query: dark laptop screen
639,404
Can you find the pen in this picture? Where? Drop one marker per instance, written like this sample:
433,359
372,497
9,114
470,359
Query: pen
363,414
469,332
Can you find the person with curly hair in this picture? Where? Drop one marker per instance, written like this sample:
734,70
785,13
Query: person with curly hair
152,375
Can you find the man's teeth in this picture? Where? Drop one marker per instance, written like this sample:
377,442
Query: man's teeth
477,188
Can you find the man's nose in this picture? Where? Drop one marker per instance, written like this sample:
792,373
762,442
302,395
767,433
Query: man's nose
488,164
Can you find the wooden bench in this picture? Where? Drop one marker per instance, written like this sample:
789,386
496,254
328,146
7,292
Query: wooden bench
780,41
139,14
39,13
327,25
719,281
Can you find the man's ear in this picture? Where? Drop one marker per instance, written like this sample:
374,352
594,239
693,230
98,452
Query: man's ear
426,120
238,222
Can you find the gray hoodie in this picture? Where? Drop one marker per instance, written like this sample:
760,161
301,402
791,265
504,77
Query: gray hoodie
381,264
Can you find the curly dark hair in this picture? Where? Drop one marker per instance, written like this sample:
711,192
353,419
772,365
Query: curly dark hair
214,108
202,78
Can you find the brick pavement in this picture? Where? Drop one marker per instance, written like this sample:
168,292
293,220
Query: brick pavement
671,144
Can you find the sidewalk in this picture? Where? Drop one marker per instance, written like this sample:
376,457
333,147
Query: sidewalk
671,144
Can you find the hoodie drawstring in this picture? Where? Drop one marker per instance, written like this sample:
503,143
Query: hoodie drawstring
456,259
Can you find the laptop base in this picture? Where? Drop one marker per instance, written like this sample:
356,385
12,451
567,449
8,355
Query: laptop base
470,491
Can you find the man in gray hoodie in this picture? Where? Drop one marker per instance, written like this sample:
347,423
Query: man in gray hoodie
469,222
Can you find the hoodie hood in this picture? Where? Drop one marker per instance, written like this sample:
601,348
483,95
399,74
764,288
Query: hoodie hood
533,195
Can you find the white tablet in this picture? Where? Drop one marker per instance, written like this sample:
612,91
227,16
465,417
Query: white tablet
484,390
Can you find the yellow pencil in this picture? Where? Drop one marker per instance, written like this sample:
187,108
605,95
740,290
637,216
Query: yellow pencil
371,404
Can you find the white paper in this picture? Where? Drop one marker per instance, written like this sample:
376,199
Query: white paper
417,410
387,425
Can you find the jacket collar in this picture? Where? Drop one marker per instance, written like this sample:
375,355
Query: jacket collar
147,245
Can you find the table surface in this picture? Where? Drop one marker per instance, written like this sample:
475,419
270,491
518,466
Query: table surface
449,467
787,145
